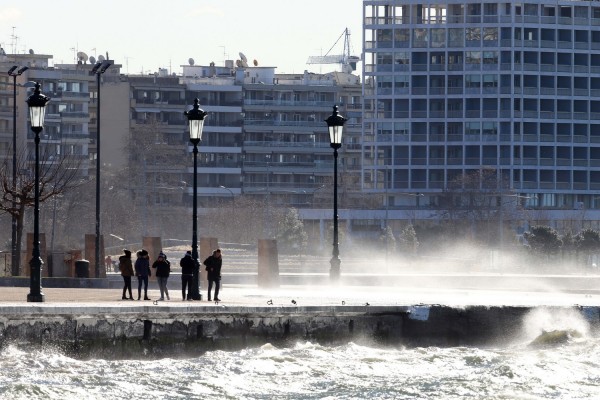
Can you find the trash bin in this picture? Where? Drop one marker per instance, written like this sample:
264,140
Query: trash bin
82,269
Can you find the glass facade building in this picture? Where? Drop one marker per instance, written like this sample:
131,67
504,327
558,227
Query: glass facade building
452,87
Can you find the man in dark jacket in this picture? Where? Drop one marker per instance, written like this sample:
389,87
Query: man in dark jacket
213,267
187,273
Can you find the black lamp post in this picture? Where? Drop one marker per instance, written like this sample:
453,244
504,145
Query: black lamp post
37,111
335,124
14,258
98,69
196,122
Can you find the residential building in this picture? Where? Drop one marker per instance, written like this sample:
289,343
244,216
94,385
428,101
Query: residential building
452,87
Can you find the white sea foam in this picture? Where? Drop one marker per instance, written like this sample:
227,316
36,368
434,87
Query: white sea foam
311,371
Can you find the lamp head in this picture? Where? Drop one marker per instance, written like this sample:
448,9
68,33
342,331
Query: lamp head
335,124
12,69
95,68
37,108
104,66
196,122
23,69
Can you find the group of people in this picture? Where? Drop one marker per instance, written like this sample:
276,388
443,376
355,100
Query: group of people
142,269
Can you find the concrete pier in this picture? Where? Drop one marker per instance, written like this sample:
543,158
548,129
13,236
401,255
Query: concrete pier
95,323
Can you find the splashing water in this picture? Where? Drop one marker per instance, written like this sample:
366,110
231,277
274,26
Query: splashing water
310,371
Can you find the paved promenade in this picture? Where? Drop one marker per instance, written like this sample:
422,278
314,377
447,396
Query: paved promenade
305,296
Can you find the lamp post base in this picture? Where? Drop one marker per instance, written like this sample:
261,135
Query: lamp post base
334,271
36,298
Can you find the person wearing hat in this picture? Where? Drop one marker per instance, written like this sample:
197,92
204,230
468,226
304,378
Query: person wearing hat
142,271
126,268
187,273
163,269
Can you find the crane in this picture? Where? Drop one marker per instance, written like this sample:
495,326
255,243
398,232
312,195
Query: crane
347,61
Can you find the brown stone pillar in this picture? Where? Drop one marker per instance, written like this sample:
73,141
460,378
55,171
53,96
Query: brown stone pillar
207,245
90,254
268,263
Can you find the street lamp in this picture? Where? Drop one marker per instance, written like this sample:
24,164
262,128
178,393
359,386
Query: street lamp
98,69
14,260
196,122
335,125
37,111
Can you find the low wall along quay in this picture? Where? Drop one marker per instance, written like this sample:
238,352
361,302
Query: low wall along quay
150,331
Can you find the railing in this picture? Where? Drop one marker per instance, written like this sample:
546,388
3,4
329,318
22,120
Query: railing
285,144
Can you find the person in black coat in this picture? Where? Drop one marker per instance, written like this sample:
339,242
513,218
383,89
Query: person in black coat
213,268
187,273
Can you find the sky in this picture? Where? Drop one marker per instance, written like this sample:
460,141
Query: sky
144,36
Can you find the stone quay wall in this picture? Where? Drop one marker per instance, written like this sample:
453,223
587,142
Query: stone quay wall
163,331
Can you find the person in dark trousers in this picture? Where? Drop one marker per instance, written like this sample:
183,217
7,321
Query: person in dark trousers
213,267
142,271
163,269
126,268
187,273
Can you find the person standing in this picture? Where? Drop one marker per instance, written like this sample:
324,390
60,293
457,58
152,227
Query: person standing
142,271
126,268
213,267
187,273
163,269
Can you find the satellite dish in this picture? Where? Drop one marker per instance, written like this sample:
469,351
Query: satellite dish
243,57
92,60
255,63
81,56
191,61
31,51
101,58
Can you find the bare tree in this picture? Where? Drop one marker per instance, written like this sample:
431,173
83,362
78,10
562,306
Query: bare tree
58,174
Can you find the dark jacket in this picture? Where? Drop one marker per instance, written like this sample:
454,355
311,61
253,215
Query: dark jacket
125,266
142,267
213,267
163,268
187,265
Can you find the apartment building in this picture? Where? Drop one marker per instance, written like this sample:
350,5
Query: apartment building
66,133
455,86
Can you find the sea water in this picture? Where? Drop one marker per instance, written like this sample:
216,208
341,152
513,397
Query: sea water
567,370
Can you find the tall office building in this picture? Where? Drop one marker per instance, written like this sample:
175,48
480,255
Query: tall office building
452,87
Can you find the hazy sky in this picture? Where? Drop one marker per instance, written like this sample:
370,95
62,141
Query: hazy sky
147,35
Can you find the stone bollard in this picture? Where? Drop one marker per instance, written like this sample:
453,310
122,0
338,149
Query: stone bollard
268,264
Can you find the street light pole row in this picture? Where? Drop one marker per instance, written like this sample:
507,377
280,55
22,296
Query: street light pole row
14,256
335,125
196,123
37,112
98,69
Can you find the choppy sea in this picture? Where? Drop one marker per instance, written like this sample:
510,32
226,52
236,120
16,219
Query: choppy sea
567,370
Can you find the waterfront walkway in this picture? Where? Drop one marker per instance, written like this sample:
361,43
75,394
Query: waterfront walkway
309,296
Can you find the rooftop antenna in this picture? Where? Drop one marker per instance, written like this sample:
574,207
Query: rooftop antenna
74,54
14,38
127,63
225,55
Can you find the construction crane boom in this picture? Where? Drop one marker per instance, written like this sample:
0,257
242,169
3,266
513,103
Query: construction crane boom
347,61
